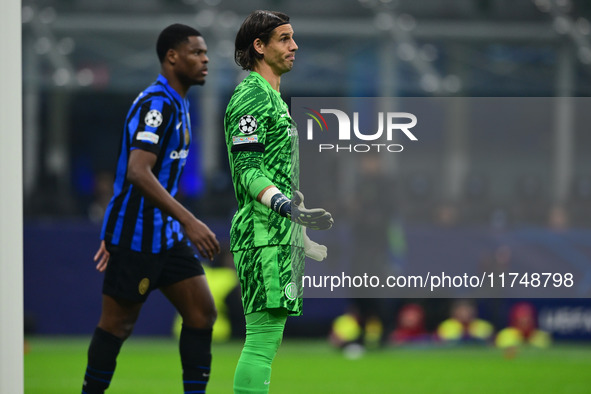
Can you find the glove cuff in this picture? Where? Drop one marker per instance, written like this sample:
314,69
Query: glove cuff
277,201
281,204
268,194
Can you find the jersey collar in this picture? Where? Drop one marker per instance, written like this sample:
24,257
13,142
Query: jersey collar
162,79
264,81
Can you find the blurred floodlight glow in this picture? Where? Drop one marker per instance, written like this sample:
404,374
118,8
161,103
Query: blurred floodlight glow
42,45
583,26
61,77
565,5
205,18
430,83
66,46
452,83
228,20
47,15
226,48
85,77
406,52
27,14
584,54
561,25
406,22
384,21
543,5
428,53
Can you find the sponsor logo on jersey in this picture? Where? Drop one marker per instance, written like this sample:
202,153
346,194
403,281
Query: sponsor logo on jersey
236,140
292,132
148,136
181,154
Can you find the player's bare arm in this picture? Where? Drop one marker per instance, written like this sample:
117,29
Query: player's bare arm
140,175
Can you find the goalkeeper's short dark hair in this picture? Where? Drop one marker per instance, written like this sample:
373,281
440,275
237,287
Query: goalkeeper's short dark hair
172,36
259,24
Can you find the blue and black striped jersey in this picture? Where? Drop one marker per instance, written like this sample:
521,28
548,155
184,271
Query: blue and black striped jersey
158,121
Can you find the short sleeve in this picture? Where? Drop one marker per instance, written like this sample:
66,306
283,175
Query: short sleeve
148,128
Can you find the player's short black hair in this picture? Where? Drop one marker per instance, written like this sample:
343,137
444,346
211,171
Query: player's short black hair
172,36
259,24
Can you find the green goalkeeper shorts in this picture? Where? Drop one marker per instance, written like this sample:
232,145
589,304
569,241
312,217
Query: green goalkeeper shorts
270,277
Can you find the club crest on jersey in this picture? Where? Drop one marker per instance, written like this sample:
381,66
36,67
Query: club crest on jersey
247,124
153,118
143,286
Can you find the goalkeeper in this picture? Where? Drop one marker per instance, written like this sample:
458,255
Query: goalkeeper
266,236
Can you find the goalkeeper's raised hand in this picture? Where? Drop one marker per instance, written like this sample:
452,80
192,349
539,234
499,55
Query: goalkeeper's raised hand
314,218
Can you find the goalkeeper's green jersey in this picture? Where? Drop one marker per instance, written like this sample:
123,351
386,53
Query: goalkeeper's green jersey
262,147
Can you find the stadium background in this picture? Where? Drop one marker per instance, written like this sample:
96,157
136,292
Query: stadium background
85,61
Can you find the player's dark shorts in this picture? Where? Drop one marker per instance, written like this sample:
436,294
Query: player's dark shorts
132,275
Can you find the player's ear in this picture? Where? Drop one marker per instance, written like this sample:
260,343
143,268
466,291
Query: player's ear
258,46
171,56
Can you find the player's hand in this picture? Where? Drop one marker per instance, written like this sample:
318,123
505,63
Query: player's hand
203,238
313,249
315,218
102,257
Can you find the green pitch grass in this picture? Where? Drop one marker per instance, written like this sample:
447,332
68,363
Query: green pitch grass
151,365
